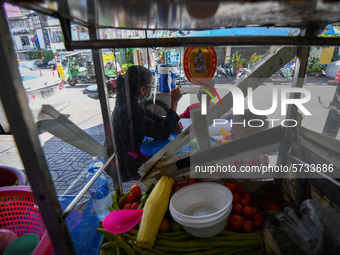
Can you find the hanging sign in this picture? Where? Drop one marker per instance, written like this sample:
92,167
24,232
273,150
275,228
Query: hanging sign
200,64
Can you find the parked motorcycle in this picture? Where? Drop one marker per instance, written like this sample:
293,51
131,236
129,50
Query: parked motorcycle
285,75
225,71
92,90
243,73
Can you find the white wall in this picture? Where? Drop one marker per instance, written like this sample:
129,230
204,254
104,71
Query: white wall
18,42
41,38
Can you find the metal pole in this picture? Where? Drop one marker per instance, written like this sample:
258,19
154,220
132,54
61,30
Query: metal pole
14,42
24,130
103,94
75,201
147,50
298,79
204,41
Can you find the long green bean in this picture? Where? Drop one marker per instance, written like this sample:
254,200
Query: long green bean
114,200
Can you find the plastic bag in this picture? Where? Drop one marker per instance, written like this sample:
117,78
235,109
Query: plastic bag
330,219
307,231
300,235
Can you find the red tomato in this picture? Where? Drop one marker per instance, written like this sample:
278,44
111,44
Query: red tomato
243,219
127,206
237,209
165,226
129,199
229,186
248,226
258,221
244,202
122,205
136,191
235,186
240,190
191,181
182,185
235,222
236,198
246,196
248,212
134,206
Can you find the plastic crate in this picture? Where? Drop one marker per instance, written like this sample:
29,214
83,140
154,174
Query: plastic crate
20,213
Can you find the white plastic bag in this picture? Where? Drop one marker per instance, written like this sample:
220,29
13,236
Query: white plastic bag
315,231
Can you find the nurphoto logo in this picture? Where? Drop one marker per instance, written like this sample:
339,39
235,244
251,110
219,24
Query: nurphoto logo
285,100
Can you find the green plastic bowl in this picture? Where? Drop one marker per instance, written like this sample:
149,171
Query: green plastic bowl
24,245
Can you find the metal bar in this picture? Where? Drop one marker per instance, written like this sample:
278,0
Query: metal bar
200,126
26,137
332,124
75,201
203,41
103,93
147,49
65,24
325,176
300,70
256,144
321,151
129,110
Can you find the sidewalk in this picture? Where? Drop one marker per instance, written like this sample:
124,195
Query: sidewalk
67,164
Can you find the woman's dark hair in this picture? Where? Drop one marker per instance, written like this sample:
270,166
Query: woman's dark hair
137,77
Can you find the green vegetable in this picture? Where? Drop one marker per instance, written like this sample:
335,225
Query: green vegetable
114,200
175,227
149,189
144,198
180,242
110,208
120,201
119,241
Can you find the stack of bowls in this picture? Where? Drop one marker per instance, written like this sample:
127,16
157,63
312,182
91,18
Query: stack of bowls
202,208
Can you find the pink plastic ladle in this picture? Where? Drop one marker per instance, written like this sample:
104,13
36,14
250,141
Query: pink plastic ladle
121,221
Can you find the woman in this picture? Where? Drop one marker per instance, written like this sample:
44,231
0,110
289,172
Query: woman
130,129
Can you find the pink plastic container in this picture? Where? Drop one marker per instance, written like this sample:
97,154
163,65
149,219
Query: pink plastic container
20,213
9,175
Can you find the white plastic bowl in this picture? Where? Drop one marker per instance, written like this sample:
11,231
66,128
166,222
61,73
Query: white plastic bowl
202,208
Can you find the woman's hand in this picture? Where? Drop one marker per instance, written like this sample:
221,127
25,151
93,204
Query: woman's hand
175,96
178,128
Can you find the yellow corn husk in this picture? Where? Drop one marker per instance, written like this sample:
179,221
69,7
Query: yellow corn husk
154,211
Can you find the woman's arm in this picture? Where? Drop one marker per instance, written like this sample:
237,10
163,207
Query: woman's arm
175,96
159,127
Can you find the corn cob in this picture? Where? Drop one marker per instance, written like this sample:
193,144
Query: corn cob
154,211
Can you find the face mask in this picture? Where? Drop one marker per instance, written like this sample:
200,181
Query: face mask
149,97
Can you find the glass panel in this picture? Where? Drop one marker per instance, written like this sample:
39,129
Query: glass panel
168,70
264,107
66,81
